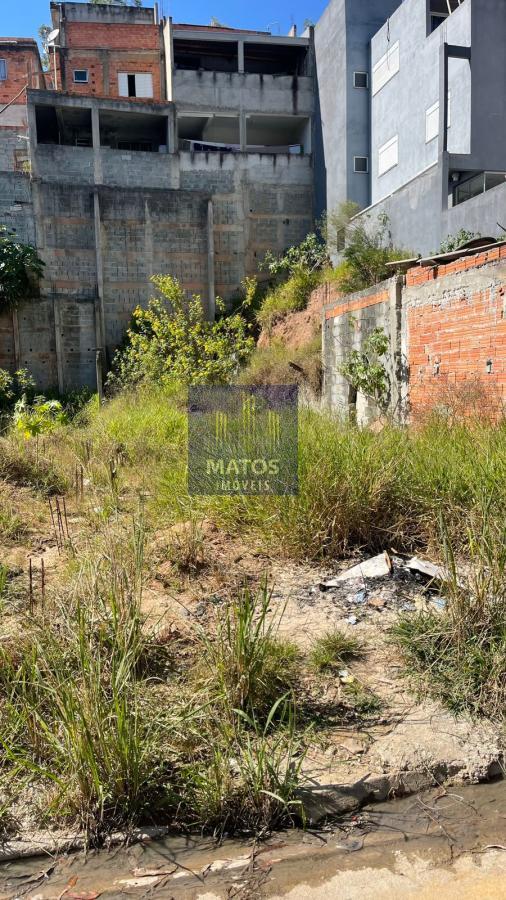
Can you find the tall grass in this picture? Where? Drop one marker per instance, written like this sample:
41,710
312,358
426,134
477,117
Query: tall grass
110,739
459,655
245,662
356,488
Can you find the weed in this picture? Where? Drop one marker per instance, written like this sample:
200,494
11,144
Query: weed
20,464
362,700
459,655
246,663
332,649
186,548
278,364
287,297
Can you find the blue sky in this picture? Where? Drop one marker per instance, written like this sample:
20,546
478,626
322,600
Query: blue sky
22,19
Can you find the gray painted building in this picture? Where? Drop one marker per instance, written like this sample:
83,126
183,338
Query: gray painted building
434,120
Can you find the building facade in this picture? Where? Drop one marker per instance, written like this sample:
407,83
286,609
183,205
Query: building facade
427,132
155,148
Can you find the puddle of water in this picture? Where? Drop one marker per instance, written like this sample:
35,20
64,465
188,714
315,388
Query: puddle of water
436,826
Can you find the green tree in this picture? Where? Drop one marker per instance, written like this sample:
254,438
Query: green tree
18,264
173,340
365,371
43,32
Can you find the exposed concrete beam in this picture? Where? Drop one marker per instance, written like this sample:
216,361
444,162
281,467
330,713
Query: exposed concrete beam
222,36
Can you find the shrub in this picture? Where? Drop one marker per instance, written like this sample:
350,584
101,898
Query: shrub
366,255
18,263
286,298
172,340
309,256
454,241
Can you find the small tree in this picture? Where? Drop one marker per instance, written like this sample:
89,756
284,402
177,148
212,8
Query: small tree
18,262
364,370
365,258
172,339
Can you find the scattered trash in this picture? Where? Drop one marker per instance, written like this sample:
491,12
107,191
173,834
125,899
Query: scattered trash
359,597
375,567
352,620
345,677
377,602
426,568
438,603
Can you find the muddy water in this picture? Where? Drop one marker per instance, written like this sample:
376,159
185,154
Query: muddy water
440,843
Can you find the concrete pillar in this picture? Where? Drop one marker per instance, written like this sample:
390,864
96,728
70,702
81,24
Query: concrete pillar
211,306
32,135
243,137
15,335
171,131
95,136
99,303
240,56
58,343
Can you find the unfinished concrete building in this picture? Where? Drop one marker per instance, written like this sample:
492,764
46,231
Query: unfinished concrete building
158,148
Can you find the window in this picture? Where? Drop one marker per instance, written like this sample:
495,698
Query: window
432,120
385,68
3,70
137,85
361,164
360,80
388,155
81,76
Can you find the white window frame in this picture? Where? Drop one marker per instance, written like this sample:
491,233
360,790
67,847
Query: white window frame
361,87
123,80
393,142
435,109
3,69
386,67
361,171
81,80
429,113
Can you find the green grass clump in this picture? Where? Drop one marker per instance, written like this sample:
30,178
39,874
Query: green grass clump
333,649
459,655
246,663
22,464
356,488
290,296
272,365
111,732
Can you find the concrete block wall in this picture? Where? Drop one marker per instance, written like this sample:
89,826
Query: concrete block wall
447,330
346,324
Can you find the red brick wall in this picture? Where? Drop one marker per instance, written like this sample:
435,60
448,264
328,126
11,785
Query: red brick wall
19,62
83,35
455,328
117,61
349,306
117,48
